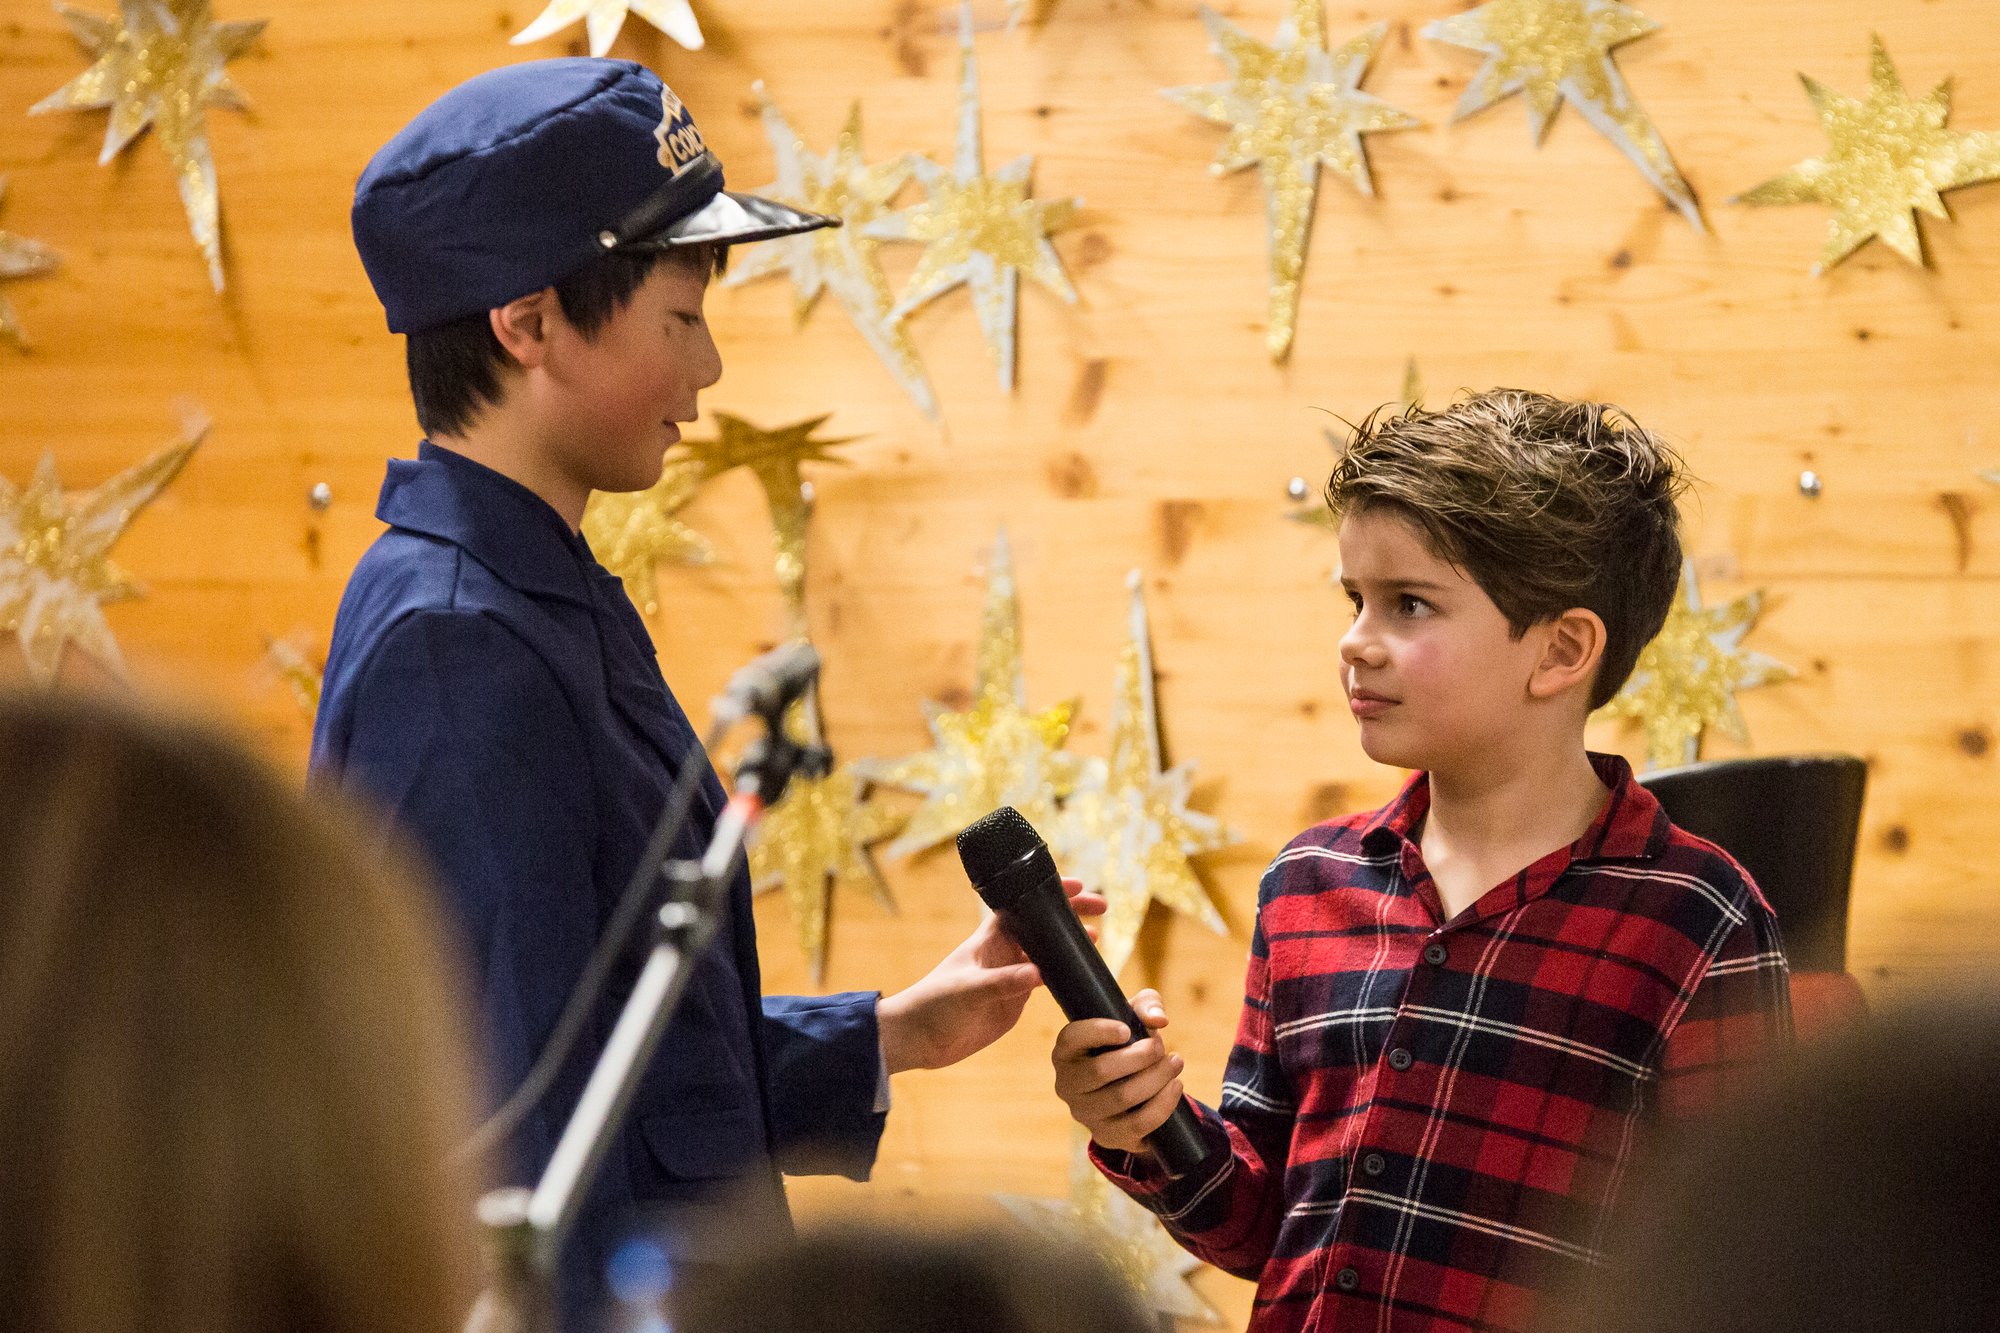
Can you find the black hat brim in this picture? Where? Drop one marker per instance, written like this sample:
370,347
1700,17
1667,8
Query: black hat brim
738,219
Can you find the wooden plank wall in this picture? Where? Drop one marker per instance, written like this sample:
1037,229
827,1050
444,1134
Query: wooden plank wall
1149,428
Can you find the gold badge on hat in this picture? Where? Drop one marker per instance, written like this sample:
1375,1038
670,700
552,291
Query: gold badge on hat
680,142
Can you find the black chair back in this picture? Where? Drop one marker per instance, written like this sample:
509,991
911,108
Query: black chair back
1793,821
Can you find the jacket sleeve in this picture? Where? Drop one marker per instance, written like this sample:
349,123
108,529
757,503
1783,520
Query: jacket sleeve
460,732
824,1054
1737,1022
1226,1211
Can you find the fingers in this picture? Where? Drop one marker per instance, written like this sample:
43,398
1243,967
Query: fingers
1121,1112
1151,1012
1086,1069
1132,1128
1089,1034
1083,904
991,945
1018,977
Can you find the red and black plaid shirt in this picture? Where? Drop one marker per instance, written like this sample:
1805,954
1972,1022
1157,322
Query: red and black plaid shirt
1424,1123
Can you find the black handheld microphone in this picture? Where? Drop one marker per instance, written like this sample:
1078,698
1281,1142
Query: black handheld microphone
1010,866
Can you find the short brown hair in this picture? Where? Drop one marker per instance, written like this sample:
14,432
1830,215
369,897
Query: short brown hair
233,1066
1546,504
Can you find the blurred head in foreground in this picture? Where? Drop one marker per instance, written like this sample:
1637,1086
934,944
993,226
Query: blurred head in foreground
1858,1195
232,1071
882,1279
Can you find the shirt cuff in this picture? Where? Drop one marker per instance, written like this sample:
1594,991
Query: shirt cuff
881,1079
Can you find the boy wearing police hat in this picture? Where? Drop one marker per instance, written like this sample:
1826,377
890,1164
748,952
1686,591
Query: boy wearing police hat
544,235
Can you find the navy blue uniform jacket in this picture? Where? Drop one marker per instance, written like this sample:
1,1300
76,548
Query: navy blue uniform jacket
491,687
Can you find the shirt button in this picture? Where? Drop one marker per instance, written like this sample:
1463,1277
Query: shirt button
1436,954
1400,1059
1347,1279
1374,1164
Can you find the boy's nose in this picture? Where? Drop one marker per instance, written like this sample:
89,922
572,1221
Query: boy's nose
1358,647
709,367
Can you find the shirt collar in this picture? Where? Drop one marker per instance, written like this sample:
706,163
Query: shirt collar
493,518
1632,826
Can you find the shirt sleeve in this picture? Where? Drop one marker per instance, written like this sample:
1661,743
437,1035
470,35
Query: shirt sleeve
460,732
1738,1021
828,1094
1226,1211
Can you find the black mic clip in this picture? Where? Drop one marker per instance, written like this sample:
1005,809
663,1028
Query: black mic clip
774,758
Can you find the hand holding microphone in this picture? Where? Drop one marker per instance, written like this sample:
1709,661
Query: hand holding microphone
1119,1081
1122,1089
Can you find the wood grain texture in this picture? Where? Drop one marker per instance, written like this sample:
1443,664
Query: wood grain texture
1148,431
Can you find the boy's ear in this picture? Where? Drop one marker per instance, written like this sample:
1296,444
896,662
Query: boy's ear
1573,645
523,325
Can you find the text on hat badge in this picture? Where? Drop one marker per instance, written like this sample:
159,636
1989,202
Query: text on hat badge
680,141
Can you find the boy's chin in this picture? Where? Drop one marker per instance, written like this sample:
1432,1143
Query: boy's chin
1392,750
631,474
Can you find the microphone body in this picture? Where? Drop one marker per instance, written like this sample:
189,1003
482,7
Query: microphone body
1010,867
768,684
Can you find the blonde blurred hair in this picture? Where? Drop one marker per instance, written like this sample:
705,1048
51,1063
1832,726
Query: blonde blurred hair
233,1067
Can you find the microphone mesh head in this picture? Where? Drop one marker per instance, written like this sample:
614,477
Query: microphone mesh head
994,842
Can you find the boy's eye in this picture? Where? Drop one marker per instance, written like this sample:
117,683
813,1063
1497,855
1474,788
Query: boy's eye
1354,600
1412,606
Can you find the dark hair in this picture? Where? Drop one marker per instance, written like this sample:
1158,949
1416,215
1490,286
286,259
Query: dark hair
876,1278
455,368
1855,1195
234,1066
1546,504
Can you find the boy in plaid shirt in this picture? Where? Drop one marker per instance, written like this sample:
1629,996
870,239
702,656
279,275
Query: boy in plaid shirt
1462,1008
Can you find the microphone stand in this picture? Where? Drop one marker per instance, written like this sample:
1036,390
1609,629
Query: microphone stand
525,1228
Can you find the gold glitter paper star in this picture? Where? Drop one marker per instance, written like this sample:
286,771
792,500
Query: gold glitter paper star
819,833
996,752
773,456
55,570
635,532
979,230
603,18
839,259
1292,107
1126,831
160,63
1552,50
1891,157
20,258
1124,1236
1687,678
302,674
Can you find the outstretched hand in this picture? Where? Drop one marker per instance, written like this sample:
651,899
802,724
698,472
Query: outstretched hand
968,1001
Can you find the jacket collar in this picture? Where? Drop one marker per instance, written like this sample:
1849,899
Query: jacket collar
493,518
1632,826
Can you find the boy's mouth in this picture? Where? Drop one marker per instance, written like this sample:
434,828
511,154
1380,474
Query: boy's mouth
1367,703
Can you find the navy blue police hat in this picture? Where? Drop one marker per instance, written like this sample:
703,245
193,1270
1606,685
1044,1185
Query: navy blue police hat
515,179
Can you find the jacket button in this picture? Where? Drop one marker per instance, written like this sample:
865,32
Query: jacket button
1347,1279
1374,1164
1436,954
1400,1060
